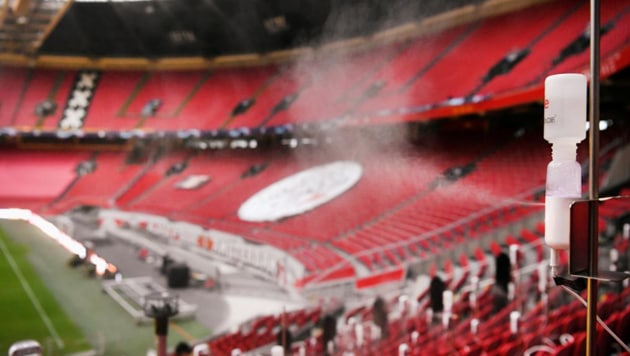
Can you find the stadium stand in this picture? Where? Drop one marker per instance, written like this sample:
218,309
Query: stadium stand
97,187
314,88
107,104
32,179
445,206
11,89
422,75
33,88
418,217
211,105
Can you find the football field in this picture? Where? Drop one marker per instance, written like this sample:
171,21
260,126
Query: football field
28,309
63,308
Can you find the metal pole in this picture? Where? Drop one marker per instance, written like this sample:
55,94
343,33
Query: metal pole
161,331
593,179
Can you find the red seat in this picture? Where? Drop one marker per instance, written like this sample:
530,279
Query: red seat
566,349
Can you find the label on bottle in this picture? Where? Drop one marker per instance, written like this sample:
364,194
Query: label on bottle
565,107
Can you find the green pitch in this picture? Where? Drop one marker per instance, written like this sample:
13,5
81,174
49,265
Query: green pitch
104,326
27,308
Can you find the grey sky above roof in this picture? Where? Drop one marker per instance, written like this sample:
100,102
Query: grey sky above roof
209,28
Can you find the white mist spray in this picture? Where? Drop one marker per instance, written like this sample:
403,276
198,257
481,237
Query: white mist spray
565,127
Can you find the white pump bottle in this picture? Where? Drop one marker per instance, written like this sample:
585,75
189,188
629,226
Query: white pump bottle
565,127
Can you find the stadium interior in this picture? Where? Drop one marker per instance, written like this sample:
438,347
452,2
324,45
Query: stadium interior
368,175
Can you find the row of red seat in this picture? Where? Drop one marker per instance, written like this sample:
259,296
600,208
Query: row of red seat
32,179
454,208
263,331
540,324
429,70
422,212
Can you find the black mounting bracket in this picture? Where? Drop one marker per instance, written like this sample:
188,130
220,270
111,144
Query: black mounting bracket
583,253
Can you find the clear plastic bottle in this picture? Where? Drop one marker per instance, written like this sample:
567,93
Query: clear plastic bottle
565,127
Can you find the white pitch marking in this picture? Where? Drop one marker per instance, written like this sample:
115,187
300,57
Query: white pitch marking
31,295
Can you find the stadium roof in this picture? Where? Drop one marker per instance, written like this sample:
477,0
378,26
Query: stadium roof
203,28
